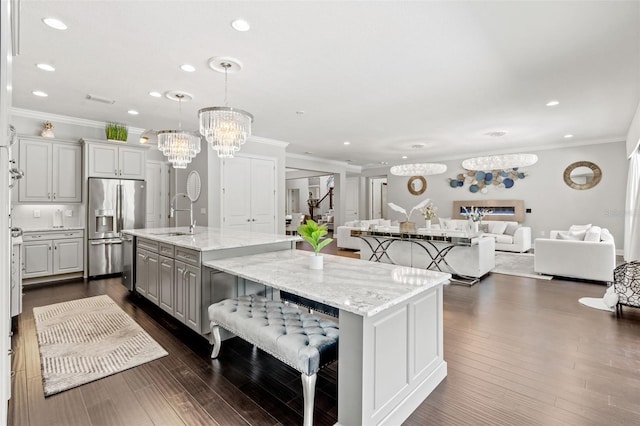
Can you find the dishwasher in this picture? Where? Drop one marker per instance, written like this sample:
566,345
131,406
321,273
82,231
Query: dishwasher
128,262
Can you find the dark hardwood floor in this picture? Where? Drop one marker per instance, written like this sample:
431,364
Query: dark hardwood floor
520,351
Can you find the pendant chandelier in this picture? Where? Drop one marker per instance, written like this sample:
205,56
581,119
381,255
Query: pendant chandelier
418,169
500,162
179,146
225,128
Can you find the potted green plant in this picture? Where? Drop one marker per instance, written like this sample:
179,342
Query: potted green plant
314,234
116,132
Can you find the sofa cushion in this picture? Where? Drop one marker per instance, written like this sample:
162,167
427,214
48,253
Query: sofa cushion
605,236
571,235
497,228
484,227
593,234
577,228
502,238
511,229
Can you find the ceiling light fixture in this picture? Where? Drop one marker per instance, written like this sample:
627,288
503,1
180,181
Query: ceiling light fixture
500,162
55,23
187,68
226,129
133,112
46,67
418,169
240,25
404,157
179,146
40,93
155,94
553,103
568,136
346,143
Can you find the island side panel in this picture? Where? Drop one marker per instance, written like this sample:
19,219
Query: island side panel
390,362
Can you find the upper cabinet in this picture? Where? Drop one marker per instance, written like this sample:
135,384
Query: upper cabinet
108,160
52,171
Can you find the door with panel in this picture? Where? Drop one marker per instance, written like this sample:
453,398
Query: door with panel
35,160
166,283
68,255
352,200
236,193
67,173
192,298
153,277
131,163
142,276
179,305
103,160
37,258
157,181
263,196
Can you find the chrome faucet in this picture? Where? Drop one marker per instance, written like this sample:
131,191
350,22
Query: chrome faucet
172,210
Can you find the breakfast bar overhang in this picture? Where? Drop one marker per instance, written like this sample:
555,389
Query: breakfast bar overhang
391,326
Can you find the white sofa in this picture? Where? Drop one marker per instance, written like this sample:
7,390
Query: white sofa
346,241
509,236
589,260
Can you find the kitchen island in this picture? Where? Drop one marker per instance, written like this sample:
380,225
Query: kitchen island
391,345
166,267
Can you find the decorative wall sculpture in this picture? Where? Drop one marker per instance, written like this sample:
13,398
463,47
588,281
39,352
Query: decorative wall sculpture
481,181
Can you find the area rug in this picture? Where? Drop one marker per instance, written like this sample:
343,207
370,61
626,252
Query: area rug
519,264
87,339
595,302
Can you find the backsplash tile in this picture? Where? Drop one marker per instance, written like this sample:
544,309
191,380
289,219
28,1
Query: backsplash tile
23,215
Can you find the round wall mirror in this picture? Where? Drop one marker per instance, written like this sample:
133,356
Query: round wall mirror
193,186
582,175
417,185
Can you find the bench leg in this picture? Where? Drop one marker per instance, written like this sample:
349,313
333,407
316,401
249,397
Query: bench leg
215,340
308,392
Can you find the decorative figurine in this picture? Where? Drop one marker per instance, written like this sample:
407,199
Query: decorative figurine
47,131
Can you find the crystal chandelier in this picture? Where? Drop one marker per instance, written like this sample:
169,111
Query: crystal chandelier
419,169
226,129
179,146
500,162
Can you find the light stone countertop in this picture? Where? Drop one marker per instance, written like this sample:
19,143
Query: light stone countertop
207,239
357,286
50,228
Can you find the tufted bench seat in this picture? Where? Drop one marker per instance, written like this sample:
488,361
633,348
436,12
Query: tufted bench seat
303,341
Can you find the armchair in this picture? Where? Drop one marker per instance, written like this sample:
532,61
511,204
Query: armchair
626,284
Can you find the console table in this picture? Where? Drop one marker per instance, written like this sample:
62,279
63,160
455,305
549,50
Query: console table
469,258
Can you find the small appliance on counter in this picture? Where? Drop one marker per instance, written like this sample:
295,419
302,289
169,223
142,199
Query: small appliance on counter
114,205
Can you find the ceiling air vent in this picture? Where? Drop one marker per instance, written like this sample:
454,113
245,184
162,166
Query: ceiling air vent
100,99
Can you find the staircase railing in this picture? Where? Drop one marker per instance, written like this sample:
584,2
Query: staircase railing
313,204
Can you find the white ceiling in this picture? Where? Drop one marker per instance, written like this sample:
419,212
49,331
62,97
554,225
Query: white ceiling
382,75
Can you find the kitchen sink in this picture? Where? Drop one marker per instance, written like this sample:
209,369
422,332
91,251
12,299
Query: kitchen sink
171,234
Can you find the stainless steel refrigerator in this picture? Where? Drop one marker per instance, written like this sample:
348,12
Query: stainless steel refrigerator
114,205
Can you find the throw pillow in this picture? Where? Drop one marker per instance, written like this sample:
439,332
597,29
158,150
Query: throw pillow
511,229
484,227
450,225
605,236
497,228
384,222
443,222
569,235
593,234
578,228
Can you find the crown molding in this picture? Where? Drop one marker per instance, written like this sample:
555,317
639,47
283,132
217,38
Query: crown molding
65,119
348,166
267,141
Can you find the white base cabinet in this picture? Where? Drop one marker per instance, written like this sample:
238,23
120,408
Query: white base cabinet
52,253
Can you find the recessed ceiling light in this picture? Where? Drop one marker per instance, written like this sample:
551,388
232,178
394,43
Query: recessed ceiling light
384,162
187,68
496,133
240,25
133,112
40,93
55,23
404,157
553,103
45,67
568,136
346,143
155,94
308,152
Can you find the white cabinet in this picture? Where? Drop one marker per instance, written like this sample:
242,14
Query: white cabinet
107,160
52,253
53,171
166,283
249,194
147,274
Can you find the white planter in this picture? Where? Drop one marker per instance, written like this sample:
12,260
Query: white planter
316,262
427,224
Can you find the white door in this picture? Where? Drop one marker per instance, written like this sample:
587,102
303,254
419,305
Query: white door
37,259
103,161
236,193
157,177
352,199
263,196
68,255
131,163
67,173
